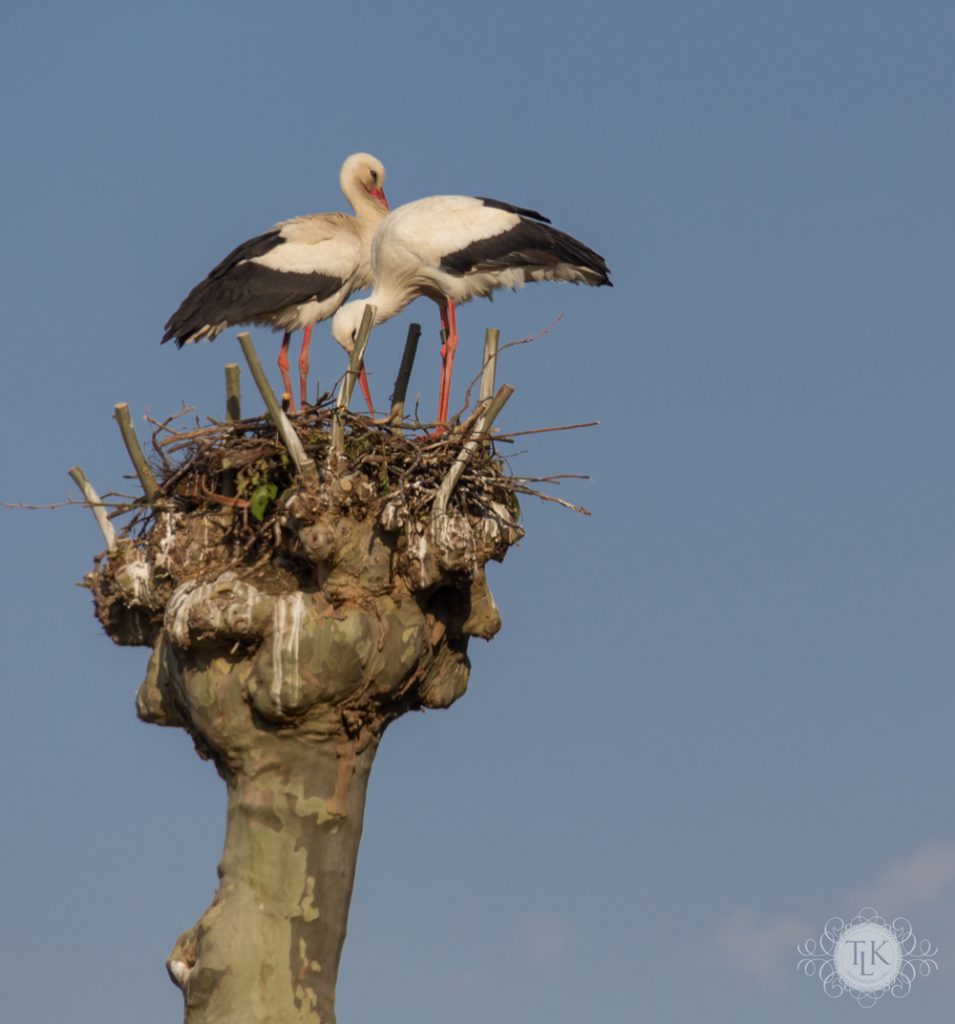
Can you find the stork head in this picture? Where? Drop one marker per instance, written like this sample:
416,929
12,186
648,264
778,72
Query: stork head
346,322
363,176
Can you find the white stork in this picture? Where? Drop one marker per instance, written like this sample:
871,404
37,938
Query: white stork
293,276
453,248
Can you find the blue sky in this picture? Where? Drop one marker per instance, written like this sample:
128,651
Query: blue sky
720,709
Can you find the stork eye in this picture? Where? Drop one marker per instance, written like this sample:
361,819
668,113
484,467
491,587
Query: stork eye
374,177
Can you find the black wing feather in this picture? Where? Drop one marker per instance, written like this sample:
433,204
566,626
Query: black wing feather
527,244
248,250
521,211
238,292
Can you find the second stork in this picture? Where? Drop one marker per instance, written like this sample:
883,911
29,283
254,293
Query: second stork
454,248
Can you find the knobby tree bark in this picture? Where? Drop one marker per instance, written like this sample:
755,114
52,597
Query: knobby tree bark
286,673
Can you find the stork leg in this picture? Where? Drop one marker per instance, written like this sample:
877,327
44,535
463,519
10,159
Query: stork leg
448,349
283,368
444,356
303,364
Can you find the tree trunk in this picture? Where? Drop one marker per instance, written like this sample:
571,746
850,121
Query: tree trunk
268,948
286,670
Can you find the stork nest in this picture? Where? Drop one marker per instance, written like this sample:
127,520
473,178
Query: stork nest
242,468
231,501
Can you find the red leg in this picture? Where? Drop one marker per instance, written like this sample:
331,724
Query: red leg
283,368
303,365
445,331
452,347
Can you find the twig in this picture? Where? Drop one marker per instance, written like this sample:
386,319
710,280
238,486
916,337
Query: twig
164,424
233,413
356,358
547,430
303,464
554,478
518,489
482,428
404,374
25,506
176,438
225,499
520,341
233,394
95,502
351,375
145,474
492,337
158,427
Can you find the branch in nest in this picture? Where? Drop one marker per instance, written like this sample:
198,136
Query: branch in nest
519,489
493,356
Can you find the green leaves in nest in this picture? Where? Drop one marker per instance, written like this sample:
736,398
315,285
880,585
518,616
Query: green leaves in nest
259,502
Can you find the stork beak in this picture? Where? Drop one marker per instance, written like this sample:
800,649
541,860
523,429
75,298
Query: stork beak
379,194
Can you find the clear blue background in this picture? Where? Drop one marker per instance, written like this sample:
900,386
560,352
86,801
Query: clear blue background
720,709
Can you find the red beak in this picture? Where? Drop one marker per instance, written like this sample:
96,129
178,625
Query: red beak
379,194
